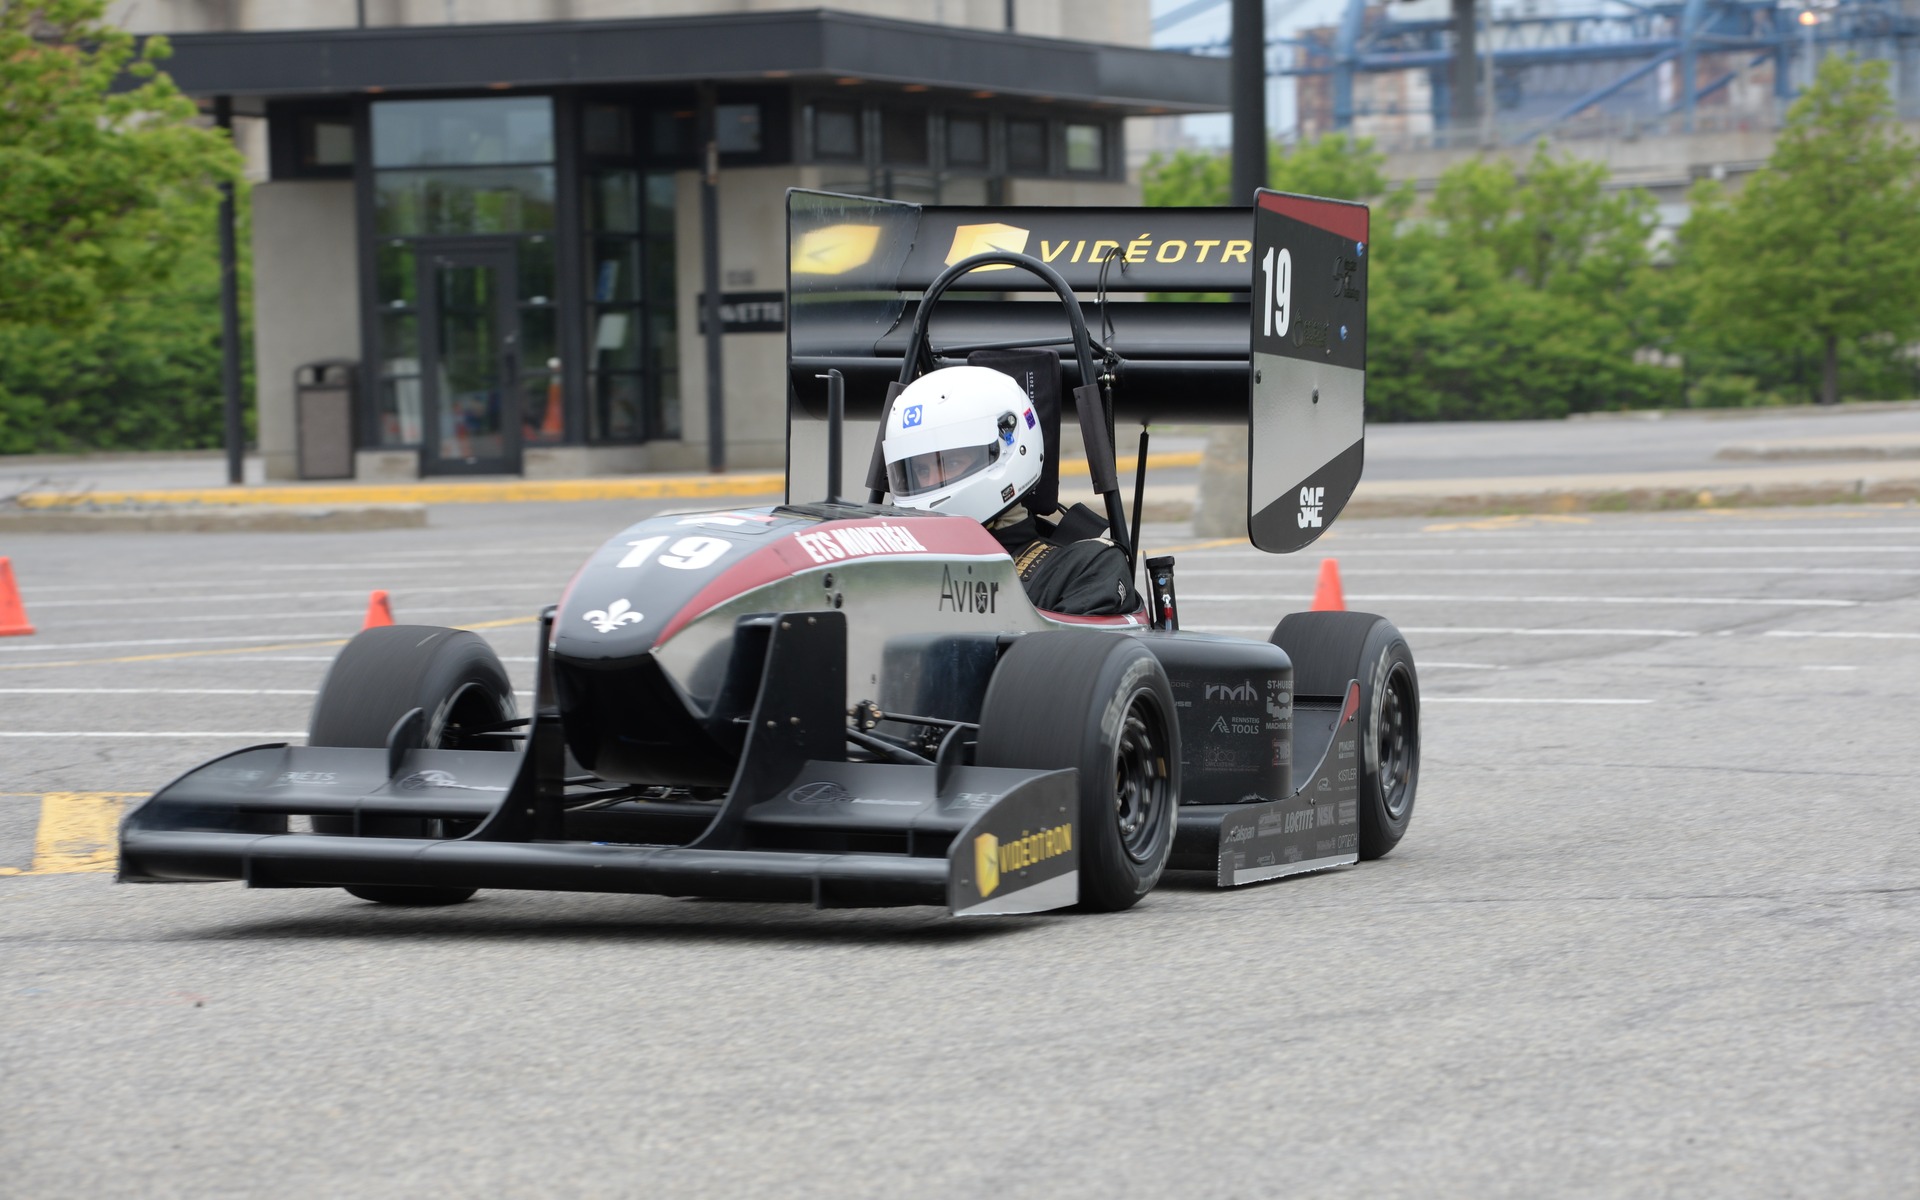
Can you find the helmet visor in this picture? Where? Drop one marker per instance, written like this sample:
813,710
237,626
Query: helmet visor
919,473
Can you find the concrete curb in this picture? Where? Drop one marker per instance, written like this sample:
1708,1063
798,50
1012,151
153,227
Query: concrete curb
225,519
515,491
1496,502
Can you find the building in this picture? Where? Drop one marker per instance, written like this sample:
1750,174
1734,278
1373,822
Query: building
495,209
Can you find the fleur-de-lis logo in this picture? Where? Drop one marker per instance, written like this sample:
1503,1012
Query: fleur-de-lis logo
613,616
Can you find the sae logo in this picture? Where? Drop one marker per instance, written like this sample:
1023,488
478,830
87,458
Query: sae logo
1311,501
911,417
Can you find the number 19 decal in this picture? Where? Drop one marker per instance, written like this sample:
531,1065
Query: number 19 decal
687,554
1278,294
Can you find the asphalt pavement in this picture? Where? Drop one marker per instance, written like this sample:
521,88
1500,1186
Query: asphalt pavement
1653,932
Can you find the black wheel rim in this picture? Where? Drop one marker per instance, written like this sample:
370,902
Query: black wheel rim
1140,778
1397,742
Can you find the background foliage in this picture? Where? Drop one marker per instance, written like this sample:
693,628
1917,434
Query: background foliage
109,275
1535,291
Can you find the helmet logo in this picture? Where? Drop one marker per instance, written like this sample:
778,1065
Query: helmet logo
1030,421
910,417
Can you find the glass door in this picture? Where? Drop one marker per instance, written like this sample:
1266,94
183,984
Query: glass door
470,347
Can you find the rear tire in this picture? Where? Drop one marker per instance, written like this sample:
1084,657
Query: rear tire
1126,749
1328,650
381,675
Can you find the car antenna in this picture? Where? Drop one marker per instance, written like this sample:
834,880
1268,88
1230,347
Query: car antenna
836,417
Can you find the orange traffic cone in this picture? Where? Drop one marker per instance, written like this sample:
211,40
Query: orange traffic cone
1327,596
552,425
13,614
378,611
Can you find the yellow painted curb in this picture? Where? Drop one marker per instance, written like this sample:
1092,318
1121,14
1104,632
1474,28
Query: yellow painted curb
78,833
645,487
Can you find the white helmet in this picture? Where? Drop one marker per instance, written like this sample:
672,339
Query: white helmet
962,440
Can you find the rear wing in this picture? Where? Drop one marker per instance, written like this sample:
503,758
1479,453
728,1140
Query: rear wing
857,268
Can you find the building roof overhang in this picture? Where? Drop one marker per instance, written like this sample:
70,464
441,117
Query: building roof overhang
793,46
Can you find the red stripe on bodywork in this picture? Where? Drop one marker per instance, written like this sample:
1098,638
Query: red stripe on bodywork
1336,217
787,557
1133,620
1351,708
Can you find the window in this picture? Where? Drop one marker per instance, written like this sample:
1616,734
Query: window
966,141
903,136
310,142
1087,149
1027,147
632,336
326,142
737,128
673,132
463,133
606,129
836,132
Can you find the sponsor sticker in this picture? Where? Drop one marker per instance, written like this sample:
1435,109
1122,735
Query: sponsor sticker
421,780
821,792
993,858
966,595
910,417
1312,500
858,541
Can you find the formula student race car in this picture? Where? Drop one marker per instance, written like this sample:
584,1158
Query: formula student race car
854,703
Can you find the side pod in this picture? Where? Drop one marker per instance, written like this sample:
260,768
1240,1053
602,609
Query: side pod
1315,828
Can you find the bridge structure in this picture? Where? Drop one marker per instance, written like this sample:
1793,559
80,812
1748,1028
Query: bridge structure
1563,69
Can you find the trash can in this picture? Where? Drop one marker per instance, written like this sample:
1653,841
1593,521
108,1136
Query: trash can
323,416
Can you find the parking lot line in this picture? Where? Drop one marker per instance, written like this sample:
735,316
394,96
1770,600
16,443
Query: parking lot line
235,596
77,833
1428,598
301,644
1428,698
1840,633
150,733
153,691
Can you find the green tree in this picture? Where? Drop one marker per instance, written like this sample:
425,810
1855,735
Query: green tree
144,376
99,188
1335,166
1820,252
1521,294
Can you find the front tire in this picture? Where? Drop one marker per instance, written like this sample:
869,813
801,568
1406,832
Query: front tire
381,675
1330,649
1125,748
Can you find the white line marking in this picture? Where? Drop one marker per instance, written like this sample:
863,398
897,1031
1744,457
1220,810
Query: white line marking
1584,551
157,692
1522,632
1819,667
1421,598
402,611
1504,572
199,641
1424,699
1811,633
1457,666
121,733
145,602
1479,629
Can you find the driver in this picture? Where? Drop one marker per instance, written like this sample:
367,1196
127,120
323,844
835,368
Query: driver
964,440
